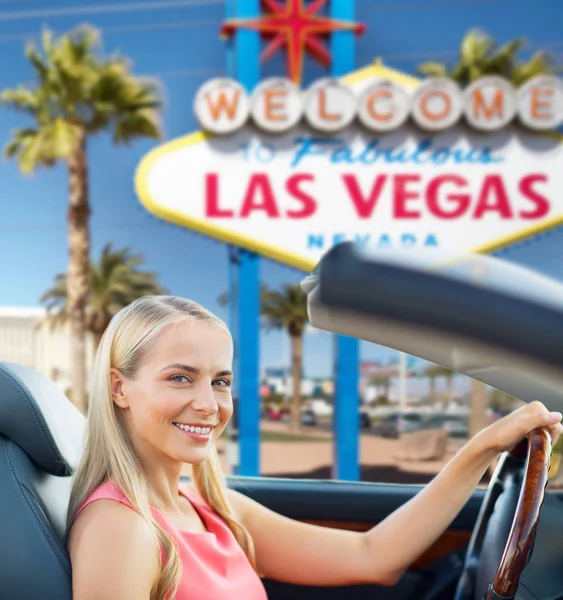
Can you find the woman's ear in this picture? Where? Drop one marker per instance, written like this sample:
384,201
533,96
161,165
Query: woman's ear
117,388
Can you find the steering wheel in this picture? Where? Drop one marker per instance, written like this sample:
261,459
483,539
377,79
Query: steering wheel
502,541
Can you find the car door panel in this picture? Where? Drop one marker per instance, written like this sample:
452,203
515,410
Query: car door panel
359,506
341,501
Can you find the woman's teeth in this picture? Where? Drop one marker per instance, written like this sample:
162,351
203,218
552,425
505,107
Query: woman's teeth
192,429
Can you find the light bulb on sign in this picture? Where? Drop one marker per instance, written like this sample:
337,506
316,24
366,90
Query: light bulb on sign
330,106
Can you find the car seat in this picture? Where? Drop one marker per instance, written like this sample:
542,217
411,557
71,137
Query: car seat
41,436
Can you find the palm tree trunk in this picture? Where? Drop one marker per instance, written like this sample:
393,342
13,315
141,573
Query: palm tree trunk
78,269
97,339
449,389
296,360
478,409
432,390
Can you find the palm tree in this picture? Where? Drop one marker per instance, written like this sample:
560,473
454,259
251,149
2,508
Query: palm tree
381,381
76,95
432,380
479,404
479,56
434,372
287,309
114,282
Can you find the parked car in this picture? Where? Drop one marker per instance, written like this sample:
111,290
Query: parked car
387,427
274,413
457,426
409,422
320,407
308,418
365,420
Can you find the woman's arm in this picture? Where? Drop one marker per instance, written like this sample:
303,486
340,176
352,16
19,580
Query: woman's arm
300,553
113,553
305,554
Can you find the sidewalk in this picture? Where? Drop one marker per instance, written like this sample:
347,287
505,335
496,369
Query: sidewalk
377,458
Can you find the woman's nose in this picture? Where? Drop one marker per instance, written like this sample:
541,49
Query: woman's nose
204,399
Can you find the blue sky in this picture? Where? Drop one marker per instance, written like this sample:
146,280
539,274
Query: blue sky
178,42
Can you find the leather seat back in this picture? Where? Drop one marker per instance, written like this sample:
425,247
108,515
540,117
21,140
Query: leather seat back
41,438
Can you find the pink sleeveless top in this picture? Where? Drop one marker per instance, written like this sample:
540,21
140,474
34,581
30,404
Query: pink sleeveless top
214,566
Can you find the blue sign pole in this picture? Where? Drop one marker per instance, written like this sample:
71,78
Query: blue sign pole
232,257
233,443
346,409
248,364
247,72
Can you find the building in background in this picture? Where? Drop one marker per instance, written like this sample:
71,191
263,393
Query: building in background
28,338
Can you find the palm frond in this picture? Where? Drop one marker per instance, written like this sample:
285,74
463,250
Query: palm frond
54,300
22,99
507,53
539,64
38,60
285,308
479,56
476,47
135,125
116,280
78,91
433,69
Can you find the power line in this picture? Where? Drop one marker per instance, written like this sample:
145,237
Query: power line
174,74
62,226
161,26
402,6
189,73
164,4
410,55
435,54
104,8
213,22
113,29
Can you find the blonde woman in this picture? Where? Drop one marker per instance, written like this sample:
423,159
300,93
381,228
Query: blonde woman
160,398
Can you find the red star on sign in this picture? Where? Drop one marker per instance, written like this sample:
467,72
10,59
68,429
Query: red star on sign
297,28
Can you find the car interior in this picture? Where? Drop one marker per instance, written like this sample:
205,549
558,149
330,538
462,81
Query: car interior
476,315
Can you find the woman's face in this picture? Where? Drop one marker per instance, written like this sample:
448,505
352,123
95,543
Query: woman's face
180,399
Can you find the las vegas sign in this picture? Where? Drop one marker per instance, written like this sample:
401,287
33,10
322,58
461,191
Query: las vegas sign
290,193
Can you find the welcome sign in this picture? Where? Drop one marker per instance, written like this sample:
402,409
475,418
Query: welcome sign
290,196
490,103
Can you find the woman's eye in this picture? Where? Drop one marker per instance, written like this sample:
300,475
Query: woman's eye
223,382
179,378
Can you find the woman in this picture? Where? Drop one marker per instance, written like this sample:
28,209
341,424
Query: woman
161,396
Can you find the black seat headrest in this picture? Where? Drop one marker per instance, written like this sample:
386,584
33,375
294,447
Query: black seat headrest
40,419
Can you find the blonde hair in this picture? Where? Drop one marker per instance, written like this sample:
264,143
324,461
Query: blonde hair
109,454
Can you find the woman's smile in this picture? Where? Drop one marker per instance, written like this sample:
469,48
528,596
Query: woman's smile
199,432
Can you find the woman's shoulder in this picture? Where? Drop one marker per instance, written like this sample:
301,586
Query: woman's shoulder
105,508
111,545
105,491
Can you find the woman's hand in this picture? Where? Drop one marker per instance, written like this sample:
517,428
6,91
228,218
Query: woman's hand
506,433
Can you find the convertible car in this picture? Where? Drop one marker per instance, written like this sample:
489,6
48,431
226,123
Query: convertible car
476,315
